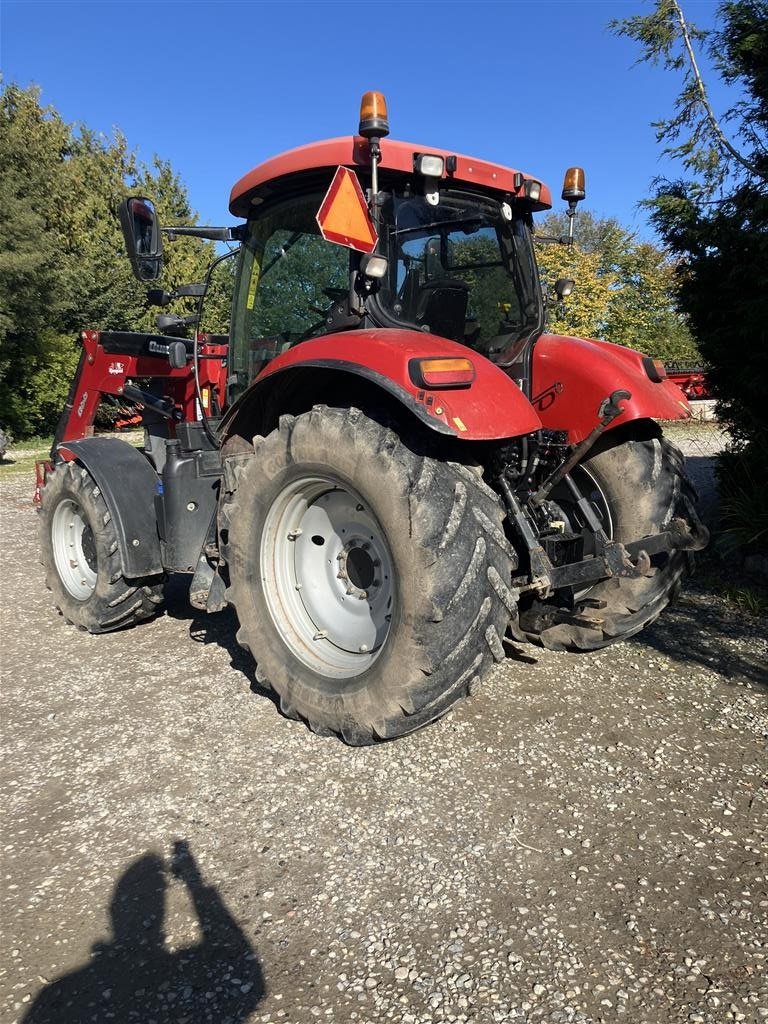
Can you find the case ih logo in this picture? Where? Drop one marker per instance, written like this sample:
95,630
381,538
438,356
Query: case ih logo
547,397
116,368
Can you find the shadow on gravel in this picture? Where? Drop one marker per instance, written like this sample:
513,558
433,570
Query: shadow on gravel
136,978
219,628
697,633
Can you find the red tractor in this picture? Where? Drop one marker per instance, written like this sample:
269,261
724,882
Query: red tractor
389,466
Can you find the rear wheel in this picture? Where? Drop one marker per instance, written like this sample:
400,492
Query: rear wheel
636,487
81,557
370,581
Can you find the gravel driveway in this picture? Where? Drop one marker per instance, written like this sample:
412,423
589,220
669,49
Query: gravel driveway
583,840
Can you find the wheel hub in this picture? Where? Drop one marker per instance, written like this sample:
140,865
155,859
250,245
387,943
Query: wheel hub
357,569
327,575
74,550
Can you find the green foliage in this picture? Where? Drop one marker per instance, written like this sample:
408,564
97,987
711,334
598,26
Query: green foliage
217,307
297,270
626,291
62,259
716,223
744,509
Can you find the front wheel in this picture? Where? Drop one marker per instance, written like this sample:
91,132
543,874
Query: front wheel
81,557
369,580
636,487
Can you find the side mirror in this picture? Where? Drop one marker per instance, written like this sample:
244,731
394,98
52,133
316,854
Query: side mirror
143,240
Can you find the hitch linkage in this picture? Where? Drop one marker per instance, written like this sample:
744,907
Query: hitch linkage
610,558
607,413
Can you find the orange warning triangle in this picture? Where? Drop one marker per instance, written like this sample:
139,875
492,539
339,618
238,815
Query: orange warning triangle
343,216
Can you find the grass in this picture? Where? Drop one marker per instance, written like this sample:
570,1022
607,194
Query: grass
727,580
21,457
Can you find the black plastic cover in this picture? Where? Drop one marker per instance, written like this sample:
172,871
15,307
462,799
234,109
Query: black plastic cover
128,484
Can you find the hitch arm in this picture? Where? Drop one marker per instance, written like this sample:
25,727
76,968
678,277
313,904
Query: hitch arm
607,413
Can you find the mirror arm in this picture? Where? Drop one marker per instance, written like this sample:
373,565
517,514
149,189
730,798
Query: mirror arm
553,239
234,234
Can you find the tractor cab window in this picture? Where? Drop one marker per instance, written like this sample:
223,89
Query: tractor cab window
289,277
459,269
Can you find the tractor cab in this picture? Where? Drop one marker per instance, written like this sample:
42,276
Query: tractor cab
421,240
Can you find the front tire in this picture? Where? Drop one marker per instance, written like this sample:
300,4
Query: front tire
81,557
369,581
636,486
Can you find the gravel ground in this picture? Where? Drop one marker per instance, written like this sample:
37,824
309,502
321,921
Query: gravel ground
583,840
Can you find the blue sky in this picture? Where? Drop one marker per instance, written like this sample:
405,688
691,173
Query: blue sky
218,87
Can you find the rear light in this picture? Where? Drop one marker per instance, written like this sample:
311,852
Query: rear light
441,373
533,190
655,369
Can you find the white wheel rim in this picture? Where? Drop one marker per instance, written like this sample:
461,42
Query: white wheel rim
74,550
326,571
593,492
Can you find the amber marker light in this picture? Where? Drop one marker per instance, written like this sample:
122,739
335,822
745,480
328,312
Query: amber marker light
655,369
441,373
374,120
573,185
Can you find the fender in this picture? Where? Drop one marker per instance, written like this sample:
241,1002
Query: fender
491,408
571,377
128,484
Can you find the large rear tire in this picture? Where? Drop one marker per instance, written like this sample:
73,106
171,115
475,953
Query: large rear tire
637,487
81,557
369,581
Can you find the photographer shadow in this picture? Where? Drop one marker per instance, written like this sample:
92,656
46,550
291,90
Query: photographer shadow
135,977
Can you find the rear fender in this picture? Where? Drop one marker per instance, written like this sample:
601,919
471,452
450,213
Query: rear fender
128,484
491,408
572,376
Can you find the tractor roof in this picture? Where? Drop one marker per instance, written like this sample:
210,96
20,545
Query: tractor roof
352,151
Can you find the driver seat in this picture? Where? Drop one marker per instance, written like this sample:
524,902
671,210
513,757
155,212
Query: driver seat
442,307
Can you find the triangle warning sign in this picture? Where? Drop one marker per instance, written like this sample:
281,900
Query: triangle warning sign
343,216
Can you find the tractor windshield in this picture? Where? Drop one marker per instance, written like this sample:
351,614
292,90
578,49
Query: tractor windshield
288,277
460,269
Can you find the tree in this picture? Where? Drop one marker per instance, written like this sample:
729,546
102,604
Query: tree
62,257
716,218
626,291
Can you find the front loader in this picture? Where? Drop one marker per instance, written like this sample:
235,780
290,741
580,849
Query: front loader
388,468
